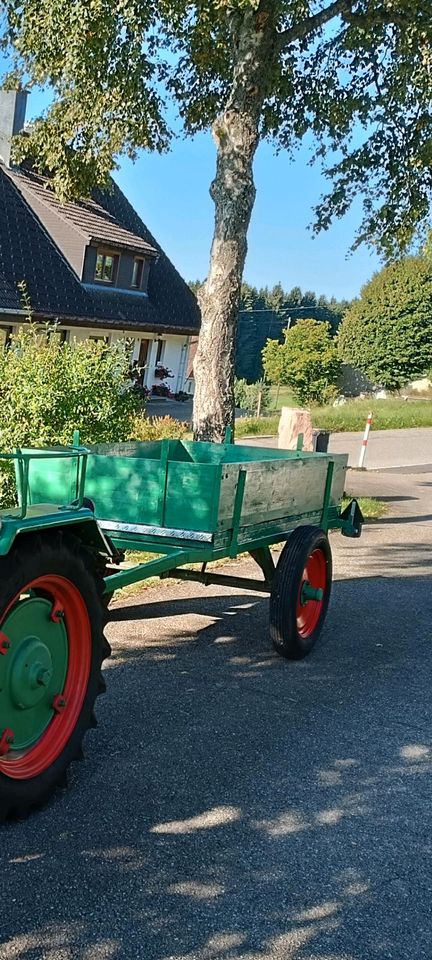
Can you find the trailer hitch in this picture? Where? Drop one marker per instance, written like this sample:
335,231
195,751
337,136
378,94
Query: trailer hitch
352,520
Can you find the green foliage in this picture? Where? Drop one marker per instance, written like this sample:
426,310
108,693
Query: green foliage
274,364
392,414
257,426
48,388
261,318
307,361
335,69
387,333
247,395
145,428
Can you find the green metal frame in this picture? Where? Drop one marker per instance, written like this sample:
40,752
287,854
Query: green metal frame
25,519
174,557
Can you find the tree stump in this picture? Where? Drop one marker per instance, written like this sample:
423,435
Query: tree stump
292,423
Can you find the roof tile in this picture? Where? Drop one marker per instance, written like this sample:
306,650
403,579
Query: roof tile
28,253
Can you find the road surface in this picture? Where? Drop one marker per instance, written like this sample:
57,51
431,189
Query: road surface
397,450
234,806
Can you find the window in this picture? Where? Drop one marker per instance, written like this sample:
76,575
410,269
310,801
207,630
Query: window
106,267
5,336
62,334
160,350
137,273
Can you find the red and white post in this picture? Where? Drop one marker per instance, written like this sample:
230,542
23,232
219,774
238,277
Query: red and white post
365,440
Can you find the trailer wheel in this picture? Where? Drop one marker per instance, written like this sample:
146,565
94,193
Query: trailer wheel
51,650
300,592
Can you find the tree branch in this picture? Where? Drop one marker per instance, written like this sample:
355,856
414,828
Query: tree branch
307,26
340,8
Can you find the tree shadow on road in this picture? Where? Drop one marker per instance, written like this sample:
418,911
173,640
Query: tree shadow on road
235,806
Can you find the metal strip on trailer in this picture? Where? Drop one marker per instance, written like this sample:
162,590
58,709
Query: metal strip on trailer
113,526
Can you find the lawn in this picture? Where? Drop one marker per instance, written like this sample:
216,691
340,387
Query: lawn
280,397
387,415
371,509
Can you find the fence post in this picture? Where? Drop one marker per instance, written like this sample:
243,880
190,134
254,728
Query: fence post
259,403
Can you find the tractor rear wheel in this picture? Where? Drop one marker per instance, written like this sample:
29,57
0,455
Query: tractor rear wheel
51,651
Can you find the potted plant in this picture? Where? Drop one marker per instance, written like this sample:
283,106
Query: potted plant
162,372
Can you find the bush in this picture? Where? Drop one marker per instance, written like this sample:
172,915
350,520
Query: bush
157,428
307,361
387,333
49,388
246,395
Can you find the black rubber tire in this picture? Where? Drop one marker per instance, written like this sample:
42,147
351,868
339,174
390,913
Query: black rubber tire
55,554
284,632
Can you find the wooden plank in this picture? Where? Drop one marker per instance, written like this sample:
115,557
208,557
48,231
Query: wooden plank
281,488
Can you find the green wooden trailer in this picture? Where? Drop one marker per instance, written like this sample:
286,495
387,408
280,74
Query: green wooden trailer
186,505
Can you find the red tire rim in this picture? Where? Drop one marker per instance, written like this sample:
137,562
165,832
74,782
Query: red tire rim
67,605
314,576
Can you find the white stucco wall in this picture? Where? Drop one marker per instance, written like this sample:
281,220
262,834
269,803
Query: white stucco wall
175,350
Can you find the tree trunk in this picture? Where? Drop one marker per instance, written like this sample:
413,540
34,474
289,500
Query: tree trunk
236,133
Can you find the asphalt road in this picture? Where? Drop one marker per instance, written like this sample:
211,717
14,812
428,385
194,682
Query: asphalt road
397,450
234,806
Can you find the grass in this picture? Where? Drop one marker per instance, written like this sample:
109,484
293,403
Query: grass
387,415
371,509
280,397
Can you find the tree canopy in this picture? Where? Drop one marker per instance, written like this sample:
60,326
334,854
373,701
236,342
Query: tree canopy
357,73
387,333
307,361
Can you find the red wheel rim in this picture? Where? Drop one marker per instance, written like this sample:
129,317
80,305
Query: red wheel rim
64,595
309,612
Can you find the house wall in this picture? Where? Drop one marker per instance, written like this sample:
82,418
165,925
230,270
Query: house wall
352,382
175,349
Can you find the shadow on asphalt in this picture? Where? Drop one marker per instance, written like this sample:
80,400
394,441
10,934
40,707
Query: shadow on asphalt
407,520
234,805
395,499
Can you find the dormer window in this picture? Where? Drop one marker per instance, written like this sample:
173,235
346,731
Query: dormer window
106,267
137,273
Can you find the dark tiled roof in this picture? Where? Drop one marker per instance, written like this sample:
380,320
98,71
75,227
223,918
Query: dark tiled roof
88,217
27,253
167,290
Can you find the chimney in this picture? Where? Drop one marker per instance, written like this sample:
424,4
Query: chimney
12,118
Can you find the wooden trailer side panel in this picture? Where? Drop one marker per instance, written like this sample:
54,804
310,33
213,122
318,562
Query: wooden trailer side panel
281,488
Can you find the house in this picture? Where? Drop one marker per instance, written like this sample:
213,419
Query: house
92,266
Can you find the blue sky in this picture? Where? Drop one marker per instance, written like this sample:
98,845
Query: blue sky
170,193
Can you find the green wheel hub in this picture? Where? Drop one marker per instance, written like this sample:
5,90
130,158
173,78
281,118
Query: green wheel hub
32,670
